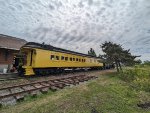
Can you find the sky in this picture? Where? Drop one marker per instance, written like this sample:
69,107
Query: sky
79,25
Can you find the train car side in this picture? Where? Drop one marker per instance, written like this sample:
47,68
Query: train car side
39,61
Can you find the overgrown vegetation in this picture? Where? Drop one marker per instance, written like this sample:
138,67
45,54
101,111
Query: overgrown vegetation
138,76
146,63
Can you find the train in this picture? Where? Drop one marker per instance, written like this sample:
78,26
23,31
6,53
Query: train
43,59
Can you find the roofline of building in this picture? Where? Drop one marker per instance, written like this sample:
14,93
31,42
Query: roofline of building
9,48
12,37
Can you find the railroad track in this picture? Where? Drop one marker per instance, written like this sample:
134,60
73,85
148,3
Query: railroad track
12,94
11,78
16,77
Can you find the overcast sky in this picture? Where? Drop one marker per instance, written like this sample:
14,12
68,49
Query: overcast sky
79,25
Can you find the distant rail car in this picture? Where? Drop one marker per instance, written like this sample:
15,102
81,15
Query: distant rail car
40,59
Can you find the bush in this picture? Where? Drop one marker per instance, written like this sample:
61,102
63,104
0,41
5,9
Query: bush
147,62
127,75
142,84
138,76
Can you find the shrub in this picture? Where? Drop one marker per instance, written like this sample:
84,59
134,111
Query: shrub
142,84
138,76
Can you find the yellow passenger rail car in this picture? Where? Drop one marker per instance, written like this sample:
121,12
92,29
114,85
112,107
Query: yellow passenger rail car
40,59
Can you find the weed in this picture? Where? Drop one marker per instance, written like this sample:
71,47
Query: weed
138,76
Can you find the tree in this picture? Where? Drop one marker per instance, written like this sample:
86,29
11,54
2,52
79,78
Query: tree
147,62
138,61
114,53
92,52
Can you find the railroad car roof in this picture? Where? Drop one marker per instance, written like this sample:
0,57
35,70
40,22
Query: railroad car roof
52,48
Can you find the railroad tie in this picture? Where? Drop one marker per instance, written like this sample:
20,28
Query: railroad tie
12,94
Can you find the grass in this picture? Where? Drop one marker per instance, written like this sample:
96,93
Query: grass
138,77
107,94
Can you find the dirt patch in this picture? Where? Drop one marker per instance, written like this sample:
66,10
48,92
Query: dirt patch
144,105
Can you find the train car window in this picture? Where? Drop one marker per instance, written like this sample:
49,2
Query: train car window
79,60
66,58
57,57
70,59
73,59
52,57
62,57
82,60
76,59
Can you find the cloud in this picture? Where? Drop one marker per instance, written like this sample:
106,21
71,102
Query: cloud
80,4
79,24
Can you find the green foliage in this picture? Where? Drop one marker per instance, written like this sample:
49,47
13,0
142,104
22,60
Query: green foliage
92,52
138,62
142,84
127,75
139,77
115,53
147,62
